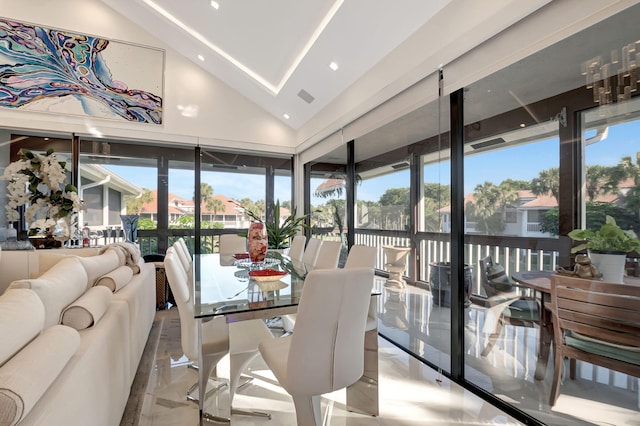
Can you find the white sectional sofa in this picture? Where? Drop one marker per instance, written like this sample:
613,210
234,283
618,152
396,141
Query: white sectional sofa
72,339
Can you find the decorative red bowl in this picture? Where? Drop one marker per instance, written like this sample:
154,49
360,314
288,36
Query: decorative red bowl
267,274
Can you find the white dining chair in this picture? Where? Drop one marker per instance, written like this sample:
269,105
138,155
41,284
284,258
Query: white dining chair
216,343
296,249
328,255
361,256
310,254
231,244
183,254
325,352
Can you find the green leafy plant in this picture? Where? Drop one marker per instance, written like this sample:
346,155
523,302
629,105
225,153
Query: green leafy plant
281,230
610,238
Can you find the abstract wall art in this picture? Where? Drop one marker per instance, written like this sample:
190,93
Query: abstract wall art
56,71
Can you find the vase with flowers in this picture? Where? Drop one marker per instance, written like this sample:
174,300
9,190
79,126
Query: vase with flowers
38,181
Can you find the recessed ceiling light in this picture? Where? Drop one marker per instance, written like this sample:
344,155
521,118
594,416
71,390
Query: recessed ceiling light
523,125
286,116
201,58
215,5
333,66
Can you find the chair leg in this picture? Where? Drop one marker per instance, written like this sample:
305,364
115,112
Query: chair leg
572,368
557,374
239,363
308,411
493,337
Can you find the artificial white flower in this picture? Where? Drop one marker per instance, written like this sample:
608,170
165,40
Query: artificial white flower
43,211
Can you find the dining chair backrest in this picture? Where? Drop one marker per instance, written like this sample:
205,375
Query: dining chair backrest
328,255
311,252
183,254
361,256
296,249
597,322
178,281
232,243
329,331
229,245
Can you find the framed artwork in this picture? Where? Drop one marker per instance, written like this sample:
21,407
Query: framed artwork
57,71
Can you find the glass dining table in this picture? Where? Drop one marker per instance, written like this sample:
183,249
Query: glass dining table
224,287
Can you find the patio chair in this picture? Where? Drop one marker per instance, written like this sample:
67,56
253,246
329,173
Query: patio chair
506,304
597,322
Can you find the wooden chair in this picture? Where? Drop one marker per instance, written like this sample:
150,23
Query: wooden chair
597,322
505,302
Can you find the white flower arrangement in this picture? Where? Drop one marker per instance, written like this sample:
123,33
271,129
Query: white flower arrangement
39,181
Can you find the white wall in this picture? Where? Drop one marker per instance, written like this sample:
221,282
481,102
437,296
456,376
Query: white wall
225,119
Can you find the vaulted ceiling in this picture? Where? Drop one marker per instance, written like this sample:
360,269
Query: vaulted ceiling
278,53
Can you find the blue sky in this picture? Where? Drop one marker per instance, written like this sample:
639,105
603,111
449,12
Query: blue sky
521,162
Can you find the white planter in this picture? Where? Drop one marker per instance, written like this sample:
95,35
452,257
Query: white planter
611,266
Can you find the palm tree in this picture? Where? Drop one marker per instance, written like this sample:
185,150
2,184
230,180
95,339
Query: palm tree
135,203
548,181
206,192
487,197
215,205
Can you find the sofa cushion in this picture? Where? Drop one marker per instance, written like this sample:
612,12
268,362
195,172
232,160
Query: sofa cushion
97,266
57,288
26,376
87,310
21,320
116,279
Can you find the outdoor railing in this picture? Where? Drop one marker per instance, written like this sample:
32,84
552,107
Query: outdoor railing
514,253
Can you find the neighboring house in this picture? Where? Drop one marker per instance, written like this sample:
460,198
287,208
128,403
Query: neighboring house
522,219
232,216
103,194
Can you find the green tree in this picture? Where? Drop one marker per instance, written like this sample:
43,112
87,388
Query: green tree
487,198
601,180
206,192
550,221
215,205
548,181
134,203
628,169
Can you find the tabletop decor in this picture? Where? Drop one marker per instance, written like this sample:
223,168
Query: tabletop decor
257,241
607,248
281,229
38,182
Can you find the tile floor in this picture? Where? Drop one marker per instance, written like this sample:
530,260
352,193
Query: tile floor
410,392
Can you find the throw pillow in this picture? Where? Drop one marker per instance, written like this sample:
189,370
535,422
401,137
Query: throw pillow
116,279
87,310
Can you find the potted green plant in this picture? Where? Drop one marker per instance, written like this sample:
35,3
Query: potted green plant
607,247
282,229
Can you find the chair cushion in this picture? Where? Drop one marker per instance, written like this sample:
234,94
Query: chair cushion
27,376
498,278
524,309
622,353
87,310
